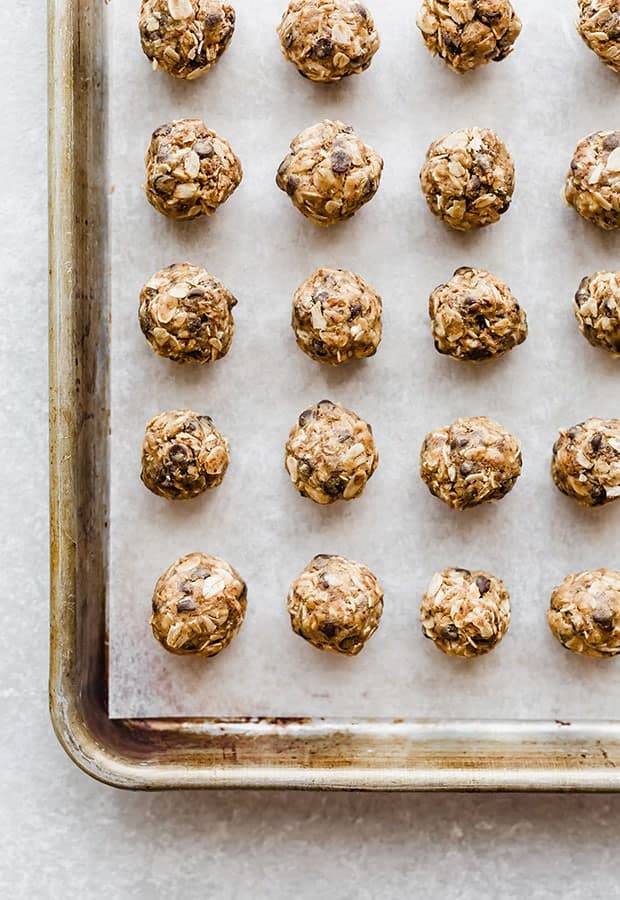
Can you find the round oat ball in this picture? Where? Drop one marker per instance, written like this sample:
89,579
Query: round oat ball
337,317
469,34
465,613
199,605
190,170
328,39
585,613
468,178
329,173
183,455
470,462
475,317
593,182
599,26
336,604
186,314
330,454
586,462
597,308
185,37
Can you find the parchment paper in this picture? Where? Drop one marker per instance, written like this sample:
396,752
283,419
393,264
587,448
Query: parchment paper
542,100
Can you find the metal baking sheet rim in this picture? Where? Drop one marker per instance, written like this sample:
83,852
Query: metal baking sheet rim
155,754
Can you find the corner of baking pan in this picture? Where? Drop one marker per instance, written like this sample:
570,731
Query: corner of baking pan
200,753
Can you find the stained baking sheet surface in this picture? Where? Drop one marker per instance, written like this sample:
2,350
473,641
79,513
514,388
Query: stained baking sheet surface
542,100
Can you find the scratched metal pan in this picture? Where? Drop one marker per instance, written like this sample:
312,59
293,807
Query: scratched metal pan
370,754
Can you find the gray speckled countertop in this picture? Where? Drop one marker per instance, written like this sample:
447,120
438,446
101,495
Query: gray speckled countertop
63,835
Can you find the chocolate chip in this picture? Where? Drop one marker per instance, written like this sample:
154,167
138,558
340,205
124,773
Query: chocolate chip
483,584
360,10
458,443
323,48
328,629
464,571
355,311
341,162
319,348
597,442
178,453
320,297
292,184
334,486
466,469
325,404
203,148
199,573
604,618
162,131
344,436
306,416
450,632
611,141
186,605
213,19
473,188
480,354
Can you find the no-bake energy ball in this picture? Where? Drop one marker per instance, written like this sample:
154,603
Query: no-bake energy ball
469,33
190,170
475,317
468,178
336,604
330,453
198,606
183,455
185,37
599,26
597,308
328,39
585,613
186,314
337,317
465,613
593,182
470,462
586,462
329,173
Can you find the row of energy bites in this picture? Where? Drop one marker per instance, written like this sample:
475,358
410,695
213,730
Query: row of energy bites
199,603
336,604
328,40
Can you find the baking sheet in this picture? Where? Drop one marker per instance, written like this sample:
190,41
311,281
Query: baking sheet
541,100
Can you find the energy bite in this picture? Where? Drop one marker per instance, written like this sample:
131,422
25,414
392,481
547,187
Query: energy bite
597,308
327,40
183,455
468,178
599,26
199,605
337,317
469,33
475,317
585,613
185,37
329,173
190,170
465,613
186,314
586,462
330,454
593,181
336,604
470,462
